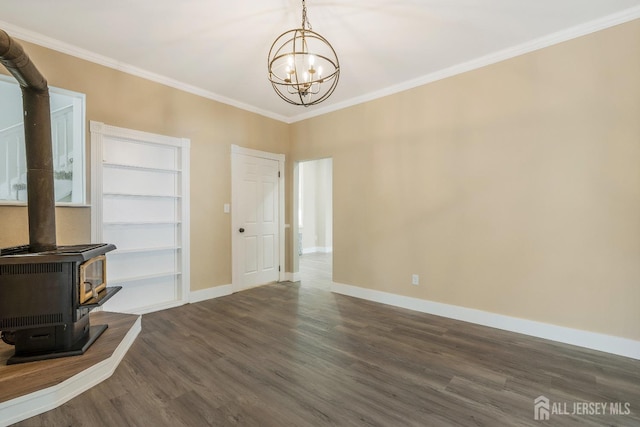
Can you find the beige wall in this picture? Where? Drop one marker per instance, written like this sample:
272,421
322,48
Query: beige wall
513,189
120,99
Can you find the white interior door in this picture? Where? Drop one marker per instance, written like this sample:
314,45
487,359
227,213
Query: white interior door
256,219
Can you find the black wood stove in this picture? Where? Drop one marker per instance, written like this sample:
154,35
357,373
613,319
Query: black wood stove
46,291
46,297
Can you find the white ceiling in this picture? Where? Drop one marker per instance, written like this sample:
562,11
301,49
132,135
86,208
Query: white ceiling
219,49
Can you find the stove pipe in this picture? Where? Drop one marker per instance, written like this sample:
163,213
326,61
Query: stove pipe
37,131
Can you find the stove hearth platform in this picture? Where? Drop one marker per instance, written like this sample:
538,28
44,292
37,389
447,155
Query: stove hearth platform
29,389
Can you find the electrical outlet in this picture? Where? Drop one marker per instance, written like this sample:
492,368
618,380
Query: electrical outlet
415,280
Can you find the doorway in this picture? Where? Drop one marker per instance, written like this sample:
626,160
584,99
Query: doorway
315,223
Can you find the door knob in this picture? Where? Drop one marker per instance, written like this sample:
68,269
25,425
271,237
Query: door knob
241,230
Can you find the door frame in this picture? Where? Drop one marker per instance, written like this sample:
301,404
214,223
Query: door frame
235,221
295,276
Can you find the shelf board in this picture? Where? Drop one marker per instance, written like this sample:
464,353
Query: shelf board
139,168
144,250
123,280
142,196
127,223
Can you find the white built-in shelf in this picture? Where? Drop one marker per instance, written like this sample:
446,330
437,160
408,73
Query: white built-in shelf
139,168
144,277
144,250
142,183
142,196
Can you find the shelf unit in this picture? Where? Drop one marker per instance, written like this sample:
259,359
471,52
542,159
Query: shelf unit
140,192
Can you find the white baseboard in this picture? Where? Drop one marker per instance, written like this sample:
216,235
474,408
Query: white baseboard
592,340
21,408
292,277
210,293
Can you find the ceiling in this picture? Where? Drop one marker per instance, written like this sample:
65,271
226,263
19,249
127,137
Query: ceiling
219,49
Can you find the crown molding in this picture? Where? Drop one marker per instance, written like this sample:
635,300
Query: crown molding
621,17
483,61
62,47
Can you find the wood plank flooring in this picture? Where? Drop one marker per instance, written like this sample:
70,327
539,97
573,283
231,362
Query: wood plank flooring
316,269
295,355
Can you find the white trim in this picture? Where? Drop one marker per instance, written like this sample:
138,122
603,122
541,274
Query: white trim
23,407
280,158
210,293
292,277
257,153
185,218
592,340
530,46
137,135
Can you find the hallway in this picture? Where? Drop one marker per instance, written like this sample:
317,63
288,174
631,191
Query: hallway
316,270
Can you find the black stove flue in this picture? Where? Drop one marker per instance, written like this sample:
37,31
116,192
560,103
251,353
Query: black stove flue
38,151
46,291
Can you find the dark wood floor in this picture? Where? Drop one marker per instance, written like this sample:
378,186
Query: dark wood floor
296,355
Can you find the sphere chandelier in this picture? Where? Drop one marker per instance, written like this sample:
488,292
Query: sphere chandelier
303,66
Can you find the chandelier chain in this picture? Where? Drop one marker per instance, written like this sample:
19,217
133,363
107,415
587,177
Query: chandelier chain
306,25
